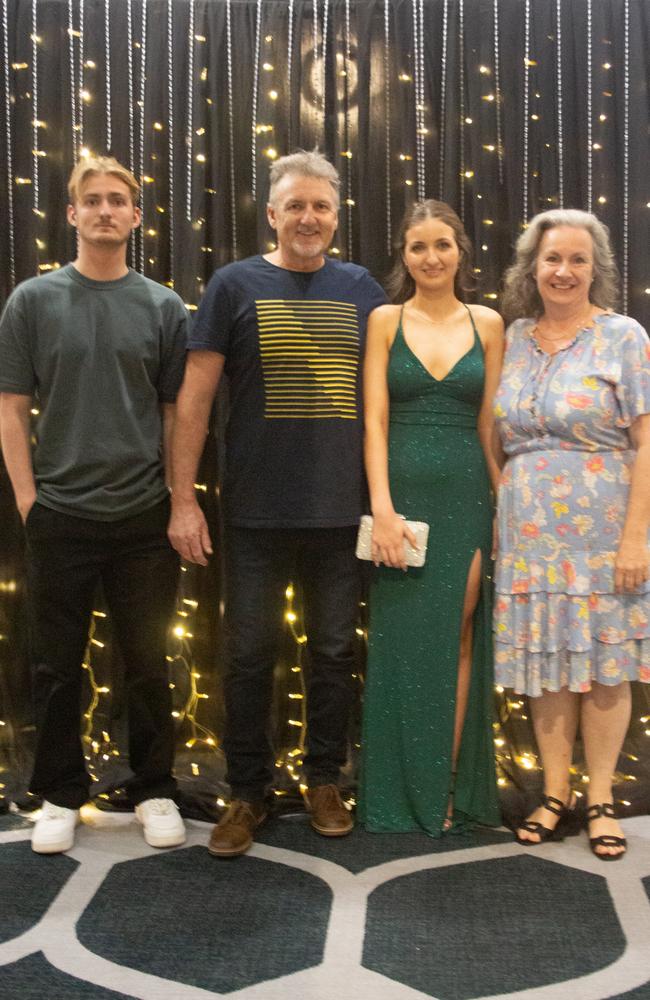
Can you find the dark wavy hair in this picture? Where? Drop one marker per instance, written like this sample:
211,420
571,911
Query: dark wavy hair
399,284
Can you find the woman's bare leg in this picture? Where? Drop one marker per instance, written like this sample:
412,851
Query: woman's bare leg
464,677
604,721
555,721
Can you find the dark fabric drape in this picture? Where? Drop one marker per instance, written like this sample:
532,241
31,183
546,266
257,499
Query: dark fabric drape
501,109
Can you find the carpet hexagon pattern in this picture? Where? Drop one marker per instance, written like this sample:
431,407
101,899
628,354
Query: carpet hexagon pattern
302,917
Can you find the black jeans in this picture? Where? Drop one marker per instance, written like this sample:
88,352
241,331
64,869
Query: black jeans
66,558
259,564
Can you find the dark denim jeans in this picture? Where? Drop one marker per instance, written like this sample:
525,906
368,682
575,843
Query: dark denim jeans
259,564
66,558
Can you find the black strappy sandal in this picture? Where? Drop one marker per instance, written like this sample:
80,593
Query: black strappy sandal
544,833
606,839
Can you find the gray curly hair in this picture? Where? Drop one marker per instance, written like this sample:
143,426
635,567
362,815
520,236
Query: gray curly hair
520,296
304,163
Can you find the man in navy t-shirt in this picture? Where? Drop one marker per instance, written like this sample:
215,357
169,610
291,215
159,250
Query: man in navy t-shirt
288,330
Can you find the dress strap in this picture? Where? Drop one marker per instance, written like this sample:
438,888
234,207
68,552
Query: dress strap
399,332
471,318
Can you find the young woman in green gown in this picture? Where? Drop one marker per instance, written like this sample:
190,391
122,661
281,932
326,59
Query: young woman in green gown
431,371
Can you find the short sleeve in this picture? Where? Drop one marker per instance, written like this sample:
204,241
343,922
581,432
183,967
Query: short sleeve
173,361
16,367
214,319
376,294
633,386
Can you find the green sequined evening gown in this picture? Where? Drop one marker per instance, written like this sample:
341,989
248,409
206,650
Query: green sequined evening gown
437,474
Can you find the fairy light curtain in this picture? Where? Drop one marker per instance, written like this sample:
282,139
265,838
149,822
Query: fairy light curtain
501,107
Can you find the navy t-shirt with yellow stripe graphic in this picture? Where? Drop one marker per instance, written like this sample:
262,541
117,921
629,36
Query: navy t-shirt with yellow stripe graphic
293,344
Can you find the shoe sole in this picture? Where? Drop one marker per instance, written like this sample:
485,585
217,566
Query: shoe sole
58,847
164,841
218,852
328,832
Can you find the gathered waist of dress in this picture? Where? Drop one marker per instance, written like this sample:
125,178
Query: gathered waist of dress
596,457
467,421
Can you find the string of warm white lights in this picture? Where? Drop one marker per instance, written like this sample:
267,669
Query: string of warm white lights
461,97
170,135
497,89
107,70
388,156
35,149
323,64
289,71
560,120
524,212
314,33
81,90
443,99
231,131
256,84
416,85
73,81
292,759
11,234
130,105
141,137
590,110
349,203
189,135
626,151
333,40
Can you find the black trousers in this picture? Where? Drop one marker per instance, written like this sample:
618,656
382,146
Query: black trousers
66,558
259,564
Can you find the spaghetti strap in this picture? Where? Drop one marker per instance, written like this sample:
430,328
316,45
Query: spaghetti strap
438,474
471,319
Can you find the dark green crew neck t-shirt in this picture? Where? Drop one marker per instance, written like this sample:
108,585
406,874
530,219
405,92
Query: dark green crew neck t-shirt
99,357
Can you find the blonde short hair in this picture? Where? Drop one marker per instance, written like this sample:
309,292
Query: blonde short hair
91,165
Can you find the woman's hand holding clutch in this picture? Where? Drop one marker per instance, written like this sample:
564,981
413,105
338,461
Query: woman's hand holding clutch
389,534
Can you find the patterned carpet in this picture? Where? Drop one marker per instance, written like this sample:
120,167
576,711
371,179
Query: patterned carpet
306,918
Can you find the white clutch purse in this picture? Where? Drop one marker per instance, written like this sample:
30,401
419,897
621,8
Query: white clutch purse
414,557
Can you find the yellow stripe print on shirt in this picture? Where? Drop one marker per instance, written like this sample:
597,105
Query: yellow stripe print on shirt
310,358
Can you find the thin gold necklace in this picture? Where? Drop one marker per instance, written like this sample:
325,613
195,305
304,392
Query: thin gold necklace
564,336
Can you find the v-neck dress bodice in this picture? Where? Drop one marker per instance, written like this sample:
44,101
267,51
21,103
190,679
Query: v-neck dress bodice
437,474
416,396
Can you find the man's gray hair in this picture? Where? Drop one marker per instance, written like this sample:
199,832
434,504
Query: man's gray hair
304,164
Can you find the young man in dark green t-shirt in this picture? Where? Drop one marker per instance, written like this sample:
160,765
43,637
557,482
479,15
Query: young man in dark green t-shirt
101,349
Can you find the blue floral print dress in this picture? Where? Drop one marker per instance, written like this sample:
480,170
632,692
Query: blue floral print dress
564,424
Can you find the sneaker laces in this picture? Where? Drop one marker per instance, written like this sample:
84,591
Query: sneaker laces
51,811
160,807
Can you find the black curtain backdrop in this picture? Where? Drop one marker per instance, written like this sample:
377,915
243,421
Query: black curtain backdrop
502,107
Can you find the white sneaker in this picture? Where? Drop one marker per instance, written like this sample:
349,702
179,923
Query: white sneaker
54,829
161,822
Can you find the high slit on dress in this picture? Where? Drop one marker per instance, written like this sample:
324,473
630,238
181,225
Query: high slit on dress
438,474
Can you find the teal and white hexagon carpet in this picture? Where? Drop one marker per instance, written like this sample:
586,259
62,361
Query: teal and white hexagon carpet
300,917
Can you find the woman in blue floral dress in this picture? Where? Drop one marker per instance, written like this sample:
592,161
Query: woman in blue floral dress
572,606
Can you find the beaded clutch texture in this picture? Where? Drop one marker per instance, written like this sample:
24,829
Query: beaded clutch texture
414,557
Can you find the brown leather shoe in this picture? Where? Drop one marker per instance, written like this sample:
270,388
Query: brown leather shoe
233,834
328,814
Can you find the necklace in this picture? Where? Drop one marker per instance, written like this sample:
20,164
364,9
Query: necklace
566,335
